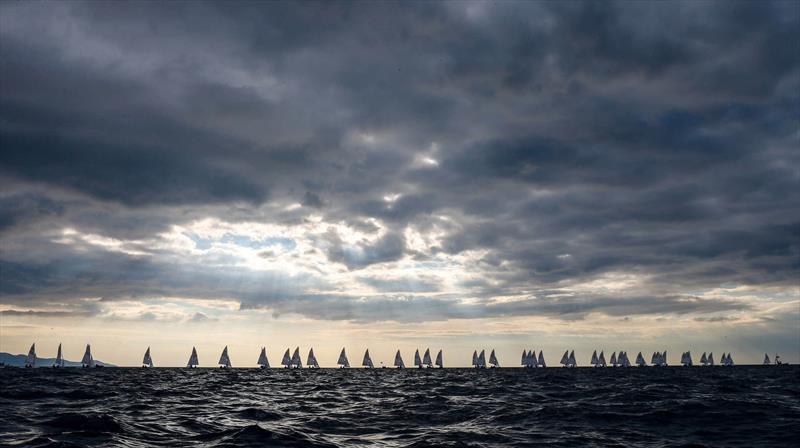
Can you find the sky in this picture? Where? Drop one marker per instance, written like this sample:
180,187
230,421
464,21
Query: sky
384,175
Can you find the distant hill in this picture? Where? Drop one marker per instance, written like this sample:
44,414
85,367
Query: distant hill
19,361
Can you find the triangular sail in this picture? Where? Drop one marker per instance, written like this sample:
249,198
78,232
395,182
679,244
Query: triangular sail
482,359
613,359
475,358
417,359
730,360
342,361
30,360
601,360
367,362
439,362
710,359
59,358
426,360
193,362
262,358
640,360
525,361
532,358
493,359
766,359
87,359
147,360
572,361
224,359
594,358
565,358
312,359
287,358
398,360
541,359
296,361
703,359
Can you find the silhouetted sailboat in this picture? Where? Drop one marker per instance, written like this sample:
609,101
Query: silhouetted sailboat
367,362
398,361
224,359
193,362
312,360
640,360
59,359
766,360
426,359
417,359
30,360
540,361
342,361
482,359
147,361
565,359
572,361
601,360
710,359
286,361
526,360
613,359
475,359
438,363
594,359
87,360
493,360
686,359
262,359
703,359
297,363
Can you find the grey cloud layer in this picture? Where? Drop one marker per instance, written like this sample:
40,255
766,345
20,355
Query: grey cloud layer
569,140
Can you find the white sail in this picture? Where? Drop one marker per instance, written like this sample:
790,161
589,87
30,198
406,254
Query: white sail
594,358
343,359
193,362
87,360
475,359
640,360
541,359
613,359
710,359
766,360
565,359
439,362
30,361
287,358
493,360
482,359
572,361
147,360
262,358
367,362
426,359
417,359
224,359
296,361
398,360
601,360
312,360
59,358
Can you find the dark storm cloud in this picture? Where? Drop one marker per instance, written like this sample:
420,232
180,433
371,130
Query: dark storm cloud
564,141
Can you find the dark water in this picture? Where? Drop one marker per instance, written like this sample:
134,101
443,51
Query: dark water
740,406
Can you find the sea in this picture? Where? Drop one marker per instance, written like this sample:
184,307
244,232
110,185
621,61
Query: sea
741,406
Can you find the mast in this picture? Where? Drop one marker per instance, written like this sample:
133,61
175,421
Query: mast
438,361
262,359
193,359
87,360
398,360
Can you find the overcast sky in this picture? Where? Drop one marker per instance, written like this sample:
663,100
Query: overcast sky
461,175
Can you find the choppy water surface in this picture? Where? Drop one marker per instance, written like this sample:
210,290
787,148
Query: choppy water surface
740,406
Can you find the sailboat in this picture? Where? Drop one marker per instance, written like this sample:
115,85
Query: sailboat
626,362
439,363
710,359
398,361
601,360
526,360
766,360
87,360
426,359
541,362
343,362
594,359
367,362
572,362
475,359
224,359
686,359
640,360
728,361
286,361
704,359
30,361
613,359
482,359
262,359
493,360
297,363
417,360
59,359
565,359
193,362
311,362
147,361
